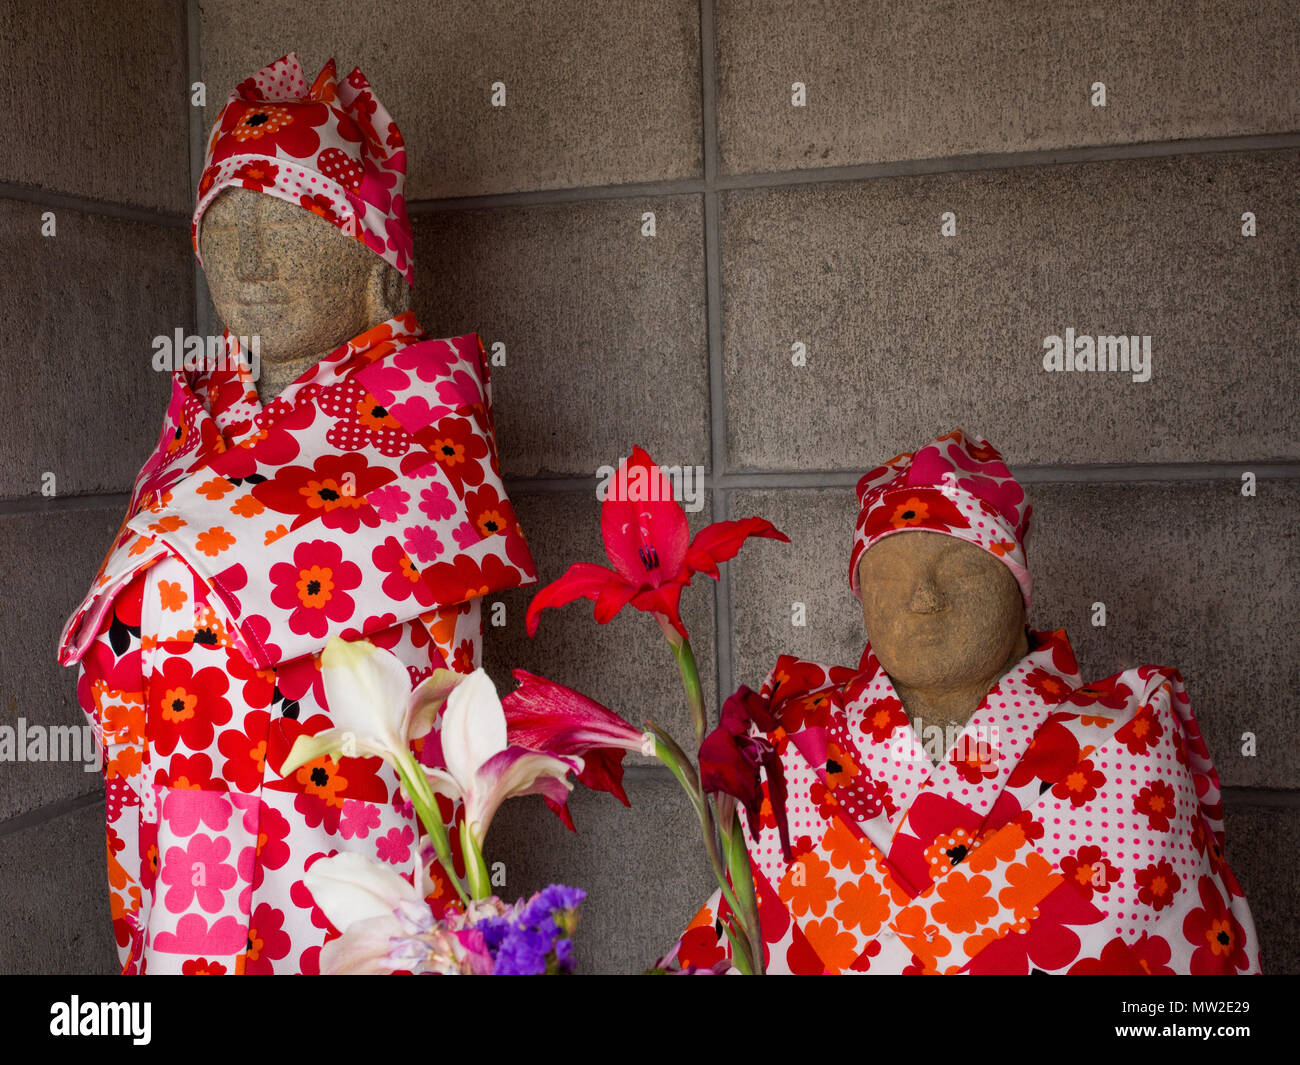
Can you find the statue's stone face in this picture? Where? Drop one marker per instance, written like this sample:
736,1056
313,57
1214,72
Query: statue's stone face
940,613
280,272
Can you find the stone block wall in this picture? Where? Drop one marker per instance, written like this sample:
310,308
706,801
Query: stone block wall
910,196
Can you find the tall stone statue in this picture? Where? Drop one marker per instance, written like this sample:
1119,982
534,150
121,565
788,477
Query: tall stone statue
351,490
961,801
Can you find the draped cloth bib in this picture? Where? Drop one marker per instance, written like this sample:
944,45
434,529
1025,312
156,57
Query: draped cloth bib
365,500
1069,828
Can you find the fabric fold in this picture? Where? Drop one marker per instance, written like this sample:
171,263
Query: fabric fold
1069,828
372,498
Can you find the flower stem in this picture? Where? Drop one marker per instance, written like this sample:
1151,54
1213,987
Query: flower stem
668,752
739,886
691,682
426,807
743,879
480,884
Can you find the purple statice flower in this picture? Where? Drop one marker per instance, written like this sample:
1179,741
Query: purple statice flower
523,952
495,930
553,902
533,937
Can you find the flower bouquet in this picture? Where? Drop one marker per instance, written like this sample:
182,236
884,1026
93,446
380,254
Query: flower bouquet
647,539
485,750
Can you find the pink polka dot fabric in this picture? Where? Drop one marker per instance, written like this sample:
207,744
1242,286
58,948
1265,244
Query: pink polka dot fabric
329,147
1067,828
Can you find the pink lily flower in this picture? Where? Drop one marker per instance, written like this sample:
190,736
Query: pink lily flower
545,716
482,768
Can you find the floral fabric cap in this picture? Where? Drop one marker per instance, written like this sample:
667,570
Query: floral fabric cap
957,485
330,148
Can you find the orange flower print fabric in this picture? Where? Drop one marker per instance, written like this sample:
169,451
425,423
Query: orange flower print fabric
256,533
1090,840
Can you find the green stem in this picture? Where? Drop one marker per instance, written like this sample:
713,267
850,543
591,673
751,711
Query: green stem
480,884
691,682
426,807
668,752
743,879
739,887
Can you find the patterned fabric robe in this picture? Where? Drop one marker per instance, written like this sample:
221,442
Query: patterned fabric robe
1068,829
365,500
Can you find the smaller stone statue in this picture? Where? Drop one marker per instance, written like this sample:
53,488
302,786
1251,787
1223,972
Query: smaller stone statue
961,801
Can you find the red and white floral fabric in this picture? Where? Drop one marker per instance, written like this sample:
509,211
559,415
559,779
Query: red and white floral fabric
330,148
1068,829
364,500
958,486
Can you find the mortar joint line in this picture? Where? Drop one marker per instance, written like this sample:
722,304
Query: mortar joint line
723,633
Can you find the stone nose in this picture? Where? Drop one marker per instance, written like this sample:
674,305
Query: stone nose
253,263
926,597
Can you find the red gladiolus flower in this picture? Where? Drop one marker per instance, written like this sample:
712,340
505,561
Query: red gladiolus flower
731,760
548,717
647,540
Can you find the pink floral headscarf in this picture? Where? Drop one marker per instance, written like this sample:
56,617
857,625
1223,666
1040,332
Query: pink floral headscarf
330,148
957,485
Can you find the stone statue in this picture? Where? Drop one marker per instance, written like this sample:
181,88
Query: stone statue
961,801
352,492
290,278
945,619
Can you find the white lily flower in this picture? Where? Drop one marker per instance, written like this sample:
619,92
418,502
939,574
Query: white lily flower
483,770
376,712
386,923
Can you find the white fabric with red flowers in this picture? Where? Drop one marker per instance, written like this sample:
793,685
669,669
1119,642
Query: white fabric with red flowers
1068,829
365,500
958,486
331,148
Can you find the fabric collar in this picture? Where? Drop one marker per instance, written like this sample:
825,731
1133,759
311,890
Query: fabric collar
884,761
436,397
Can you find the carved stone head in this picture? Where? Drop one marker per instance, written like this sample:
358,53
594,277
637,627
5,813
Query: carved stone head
941,614
280,272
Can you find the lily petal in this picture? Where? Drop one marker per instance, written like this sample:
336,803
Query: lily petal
582,580
363,948
349,887
473,727
723,540
308,748
427,700
366,689
516,771
545,716
443,783
643,526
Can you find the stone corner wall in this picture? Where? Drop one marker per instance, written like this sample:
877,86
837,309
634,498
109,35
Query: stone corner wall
779,241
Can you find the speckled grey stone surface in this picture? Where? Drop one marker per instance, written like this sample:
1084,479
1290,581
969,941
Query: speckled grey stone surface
604,329
909,333
1193,576
927,78
99,99
47,561
1259,846
811,572
79,319
595,94
56,882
